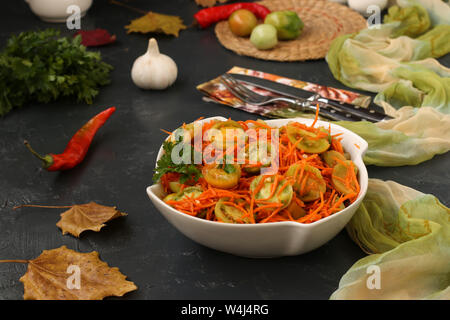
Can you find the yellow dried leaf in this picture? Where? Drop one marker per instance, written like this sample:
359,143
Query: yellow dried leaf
209,3
90,216
49,277
156,22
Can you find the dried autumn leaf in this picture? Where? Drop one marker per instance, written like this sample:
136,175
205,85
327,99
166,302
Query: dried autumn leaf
48,277
90,216
209,3
156,22
94,38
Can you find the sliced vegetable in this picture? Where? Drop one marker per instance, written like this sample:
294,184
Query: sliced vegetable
175,186
171,197
188,192
258,153
220,176
309,183
186,131
274,189
344,177
228,213
295,210
235,131
310,141
332,157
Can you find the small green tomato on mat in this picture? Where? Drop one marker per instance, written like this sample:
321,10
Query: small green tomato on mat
289,26
242,22
264,37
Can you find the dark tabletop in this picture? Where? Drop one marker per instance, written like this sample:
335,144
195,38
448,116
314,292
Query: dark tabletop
162,262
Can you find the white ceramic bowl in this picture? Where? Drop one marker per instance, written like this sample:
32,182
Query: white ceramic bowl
269,239
56,10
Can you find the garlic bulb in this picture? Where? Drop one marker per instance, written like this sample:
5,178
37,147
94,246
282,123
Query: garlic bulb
362,5
154,70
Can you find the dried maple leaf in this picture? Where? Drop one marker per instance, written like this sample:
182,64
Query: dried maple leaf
94,38
156,22
209,3
48,277
90,216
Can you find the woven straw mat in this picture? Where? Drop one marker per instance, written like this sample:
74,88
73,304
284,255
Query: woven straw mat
324,21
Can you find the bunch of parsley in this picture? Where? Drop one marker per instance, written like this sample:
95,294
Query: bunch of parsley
41,66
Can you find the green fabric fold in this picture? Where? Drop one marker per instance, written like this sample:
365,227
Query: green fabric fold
404,73
407,234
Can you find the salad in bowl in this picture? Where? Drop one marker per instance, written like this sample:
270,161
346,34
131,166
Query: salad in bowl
260,188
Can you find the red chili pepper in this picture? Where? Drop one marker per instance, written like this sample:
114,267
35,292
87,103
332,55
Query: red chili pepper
208,16
77,147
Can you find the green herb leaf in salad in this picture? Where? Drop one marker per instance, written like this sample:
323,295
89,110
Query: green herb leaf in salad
228,168
164,165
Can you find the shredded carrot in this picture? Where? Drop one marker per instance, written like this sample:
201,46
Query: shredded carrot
255,206
165,131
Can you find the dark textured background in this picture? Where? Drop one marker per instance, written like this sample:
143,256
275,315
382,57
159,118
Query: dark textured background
162,262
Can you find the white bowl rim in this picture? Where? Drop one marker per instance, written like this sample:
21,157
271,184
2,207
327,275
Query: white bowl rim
361,150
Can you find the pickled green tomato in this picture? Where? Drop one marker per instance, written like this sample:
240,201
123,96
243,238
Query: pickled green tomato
288,24
295,210
189,192
340,172
229,214
332,157
175,186
217,177
264,37
314,184
242,22
171,197
223,126
284,197
309,143
186,131
255,153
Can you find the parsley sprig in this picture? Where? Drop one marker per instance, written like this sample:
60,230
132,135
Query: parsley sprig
165,164
41,66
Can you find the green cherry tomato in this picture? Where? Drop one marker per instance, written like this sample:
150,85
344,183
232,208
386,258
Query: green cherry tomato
242,22
288,24
264,37
229,214
309,143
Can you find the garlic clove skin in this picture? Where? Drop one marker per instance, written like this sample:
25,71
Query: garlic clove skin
154,70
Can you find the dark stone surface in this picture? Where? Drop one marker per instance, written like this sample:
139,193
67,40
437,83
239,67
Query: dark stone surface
161,261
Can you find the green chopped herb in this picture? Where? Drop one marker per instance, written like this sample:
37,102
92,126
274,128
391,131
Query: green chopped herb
165,164
42,67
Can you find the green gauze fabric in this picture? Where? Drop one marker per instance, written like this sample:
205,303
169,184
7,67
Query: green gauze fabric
414,20
404,73
407,234
409,139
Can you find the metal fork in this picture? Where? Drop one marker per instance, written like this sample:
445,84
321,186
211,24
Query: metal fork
251,97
